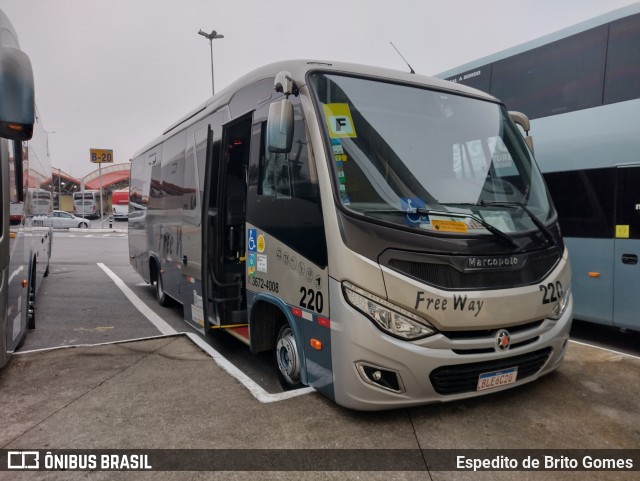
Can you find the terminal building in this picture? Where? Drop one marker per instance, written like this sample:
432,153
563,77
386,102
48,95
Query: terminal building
63,186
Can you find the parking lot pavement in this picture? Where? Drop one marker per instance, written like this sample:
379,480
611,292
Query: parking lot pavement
166,393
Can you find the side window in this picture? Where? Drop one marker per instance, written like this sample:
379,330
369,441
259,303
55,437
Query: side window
628,203
283,197
275,174
196,145
172,172
139,185
622,81
585,201
289,175
560,77
247,98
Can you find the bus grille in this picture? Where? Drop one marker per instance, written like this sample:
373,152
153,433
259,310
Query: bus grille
464,377
446,276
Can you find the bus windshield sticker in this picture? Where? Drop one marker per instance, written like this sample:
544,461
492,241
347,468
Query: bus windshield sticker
338,152
449,225
337,148
261,243
340,157
410,205
339,120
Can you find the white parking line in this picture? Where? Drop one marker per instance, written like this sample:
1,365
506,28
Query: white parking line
257,391
145,310
604,349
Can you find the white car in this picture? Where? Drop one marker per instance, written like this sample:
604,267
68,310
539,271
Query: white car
62,220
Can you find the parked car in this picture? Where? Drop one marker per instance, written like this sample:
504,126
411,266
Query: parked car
61,220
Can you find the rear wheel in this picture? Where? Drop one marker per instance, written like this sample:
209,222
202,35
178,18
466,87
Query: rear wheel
163,299
287,358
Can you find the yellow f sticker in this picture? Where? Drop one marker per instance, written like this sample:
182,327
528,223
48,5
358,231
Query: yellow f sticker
339,120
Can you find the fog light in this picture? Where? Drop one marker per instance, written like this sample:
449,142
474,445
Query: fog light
386,379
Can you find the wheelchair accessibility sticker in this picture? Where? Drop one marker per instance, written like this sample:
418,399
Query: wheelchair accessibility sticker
411,205
252,241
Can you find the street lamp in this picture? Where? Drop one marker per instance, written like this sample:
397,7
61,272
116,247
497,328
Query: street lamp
211,36
47,132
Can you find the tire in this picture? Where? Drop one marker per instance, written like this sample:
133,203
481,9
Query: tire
161,296
83,225
287,358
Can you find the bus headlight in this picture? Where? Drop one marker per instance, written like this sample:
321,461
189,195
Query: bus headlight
390,318
560,308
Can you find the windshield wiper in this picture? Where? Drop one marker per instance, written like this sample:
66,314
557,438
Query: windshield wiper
506,238
541,227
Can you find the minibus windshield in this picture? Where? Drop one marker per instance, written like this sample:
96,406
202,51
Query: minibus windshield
409,155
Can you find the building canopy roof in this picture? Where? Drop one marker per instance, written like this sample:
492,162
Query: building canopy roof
114,176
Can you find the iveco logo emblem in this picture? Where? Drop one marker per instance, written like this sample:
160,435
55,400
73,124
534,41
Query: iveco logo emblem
503,340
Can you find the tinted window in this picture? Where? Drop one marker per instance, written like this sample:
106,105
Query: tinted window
560,77
628,206
196,146
585,201
284,199
275,172
248,98
622,81
173,171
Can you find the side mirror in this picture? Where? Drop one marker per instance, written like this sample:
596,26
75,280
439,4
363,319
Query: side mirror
280,127
17,108
523,121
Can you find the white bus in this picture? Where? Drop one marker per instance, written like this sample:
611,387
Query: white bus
24,167
87,204
40,201
387,236
581,88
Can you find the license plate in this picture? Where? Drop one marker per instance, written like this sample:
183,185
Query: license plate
490,380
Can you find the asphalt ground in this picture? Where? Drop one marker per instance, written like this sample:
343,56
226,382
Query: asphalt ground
175,392
169,393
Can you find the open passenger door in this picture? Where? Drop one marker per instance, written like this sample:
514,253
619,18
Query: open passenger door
224,227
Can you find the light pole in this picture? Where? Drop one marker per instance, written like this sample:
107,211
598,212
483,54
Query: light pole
47,133
211,36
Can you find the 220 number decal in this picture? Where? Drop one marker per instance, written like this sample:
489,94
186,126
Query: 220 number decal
551,292
312,300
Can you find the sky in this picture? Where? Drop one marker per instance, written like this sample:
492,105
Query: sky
114,74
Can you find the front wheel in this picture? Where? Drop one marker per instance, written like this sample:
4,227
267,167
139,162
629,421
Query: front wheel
287,359
83,225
